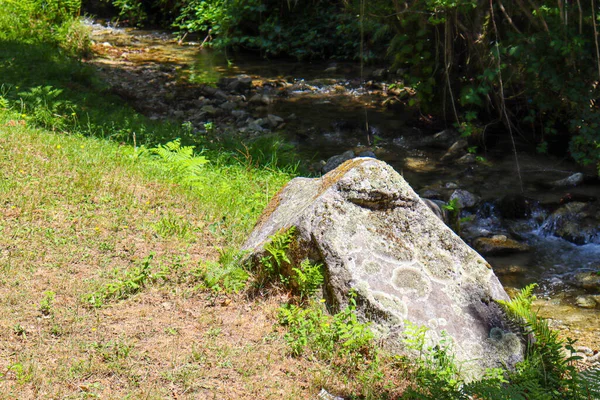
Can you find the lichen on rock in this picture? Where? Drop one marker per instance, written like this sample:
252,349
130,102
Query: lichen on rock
377,238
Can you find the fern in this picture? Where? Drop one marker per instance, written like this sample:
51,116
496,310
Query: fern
589,383
548,371
181,161
277,249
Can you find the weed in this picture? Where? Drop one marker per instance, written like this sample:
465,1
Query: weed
23,373
225,275
20,331
173,225
277,252
129,284
112,351
337,336
453,208
173,331
308,278
46,303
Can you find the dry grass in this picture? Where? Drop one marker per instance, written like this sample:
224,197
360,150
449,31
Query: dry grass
74,214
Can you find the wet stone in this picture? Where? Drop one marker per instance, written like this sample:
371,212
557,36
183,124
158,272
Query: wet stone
586,302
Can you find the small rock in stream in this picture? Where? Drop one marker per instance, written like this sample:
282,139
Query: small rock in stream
335,161
588,280
467,159
498,244
259,98
464,198
455,151
586,302
367,153
572,180
274,120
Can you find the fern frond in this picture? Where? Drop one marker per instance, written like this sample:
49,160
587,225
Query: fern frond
589,383
181,161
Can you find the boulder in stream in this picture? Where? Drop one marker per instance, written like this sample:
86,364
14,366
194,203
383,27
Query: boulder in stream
376,237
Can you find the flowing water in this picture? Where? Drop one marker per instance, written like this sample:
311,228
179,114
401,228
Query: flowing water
329,108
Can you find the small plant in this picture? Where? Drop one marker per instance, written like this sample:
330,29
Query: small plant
112,351
181,161
338,336
129,284
436,375
453,208
23,374
276,259
308,278
173,225
46,303
20,331
226,275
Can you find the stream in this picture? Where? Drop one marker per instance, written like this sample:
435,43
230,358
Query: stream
323,109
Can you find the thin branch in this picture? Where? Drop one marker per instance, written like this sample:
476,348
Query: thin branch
448,62
561,10
580,17
508,18
527,13
596,37
503,102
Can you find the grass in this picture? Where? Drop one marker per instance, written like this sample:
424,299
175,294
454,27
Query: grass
79,213
103,244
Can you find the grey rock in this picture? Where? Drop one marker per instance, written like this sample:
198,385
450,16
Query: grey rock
375,236
467,159
498,244
239,113
240,84
588,280
274,120
228,105
576,222
335,161
455,151
437,207
367,153
465,199
441,140
586,302
210,91
261,99
430,194
380,73
572,180
210,110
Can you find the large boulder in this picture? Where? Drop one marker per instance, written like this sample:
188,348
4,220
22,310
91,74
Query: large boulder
374,235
